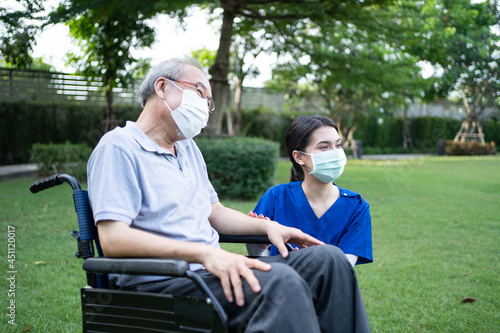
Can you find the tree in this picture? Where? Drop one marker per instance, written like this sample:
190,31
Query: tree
383,80
349,69
18,27
107,30
245,50
281,20
462,43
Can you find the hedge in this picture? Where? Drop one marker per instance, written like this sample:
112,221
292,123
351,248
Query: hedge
491,129
380,135
240,168
61,158
387,136
23,124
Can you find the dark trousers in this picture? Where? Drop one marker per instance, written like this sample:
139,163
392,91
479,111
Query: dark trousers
313,290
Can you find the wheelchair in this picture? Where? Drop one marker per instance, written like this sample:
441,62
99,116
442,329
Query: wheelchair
111,310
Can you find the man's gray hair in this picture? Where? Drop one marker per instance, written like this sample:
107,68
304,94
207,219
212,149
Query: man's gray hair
171,68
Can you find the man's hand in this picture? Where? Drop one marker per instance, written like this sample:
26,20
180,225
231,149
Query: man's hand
279,235
286,235
230,268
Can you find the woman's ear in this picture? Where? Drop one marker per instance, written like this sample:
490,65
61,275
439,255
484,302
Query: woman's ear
298,157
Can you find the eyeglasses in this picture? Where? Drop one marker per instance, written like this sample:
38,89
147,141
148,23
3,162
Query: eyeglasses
210,101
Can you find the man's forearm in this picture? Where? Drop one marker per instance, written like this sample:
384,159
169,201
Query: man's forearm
119,240
232,222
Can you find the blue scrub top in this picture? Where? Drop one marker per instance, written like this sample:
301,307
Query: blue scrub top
346,224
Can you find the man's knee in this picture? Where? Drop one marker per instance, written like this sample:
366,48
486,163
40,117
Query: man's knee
284,304
282,283
324,255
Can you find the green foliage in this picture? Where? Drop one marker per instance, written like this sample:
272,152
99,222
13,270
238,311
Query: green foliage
470,148
390,132
356,63
462,42
240,168
205,56
491,130
61,158
25,123
38,122
426,131
18,31
267,124
320,36
387,137
107,31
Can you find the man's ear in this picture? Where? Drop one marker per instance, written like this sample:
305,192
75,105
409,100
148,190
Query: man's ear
298,157
160,86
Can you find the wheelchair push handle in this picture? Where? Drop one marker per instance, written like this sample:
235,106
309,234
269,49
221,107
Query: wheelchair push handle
54,180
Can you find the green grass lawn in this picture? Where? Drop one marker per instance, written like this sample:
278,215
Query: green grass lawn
436,242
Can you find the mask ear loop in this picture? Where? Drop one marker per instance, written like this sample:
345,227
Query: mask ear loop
305,165
168,107
172,83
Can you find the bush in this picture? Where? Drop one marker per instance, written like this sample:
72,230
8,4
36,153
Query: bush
61,158
240,168
469,148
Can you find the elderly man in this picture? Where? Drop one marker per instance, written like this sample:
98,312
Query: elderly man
151,197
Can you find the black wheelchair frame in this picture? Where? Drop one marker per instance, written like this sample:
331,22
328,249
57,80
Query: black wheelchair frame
112,310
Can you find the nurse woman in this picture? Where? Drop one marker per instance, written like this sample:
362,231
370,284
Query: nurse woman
311,201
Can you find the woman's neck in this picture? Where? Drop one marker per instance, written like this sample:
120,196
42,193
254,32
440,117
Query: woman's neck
321,196
316,190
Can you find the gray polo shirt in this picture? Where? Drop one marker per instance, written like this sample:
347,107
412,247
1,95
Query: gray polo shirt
134,180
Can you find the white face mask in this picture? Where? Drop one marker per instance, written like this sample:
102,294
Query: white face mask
192,115
327,165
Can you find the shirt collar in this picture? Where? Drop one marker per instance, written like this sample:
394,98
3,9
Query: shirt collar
145,141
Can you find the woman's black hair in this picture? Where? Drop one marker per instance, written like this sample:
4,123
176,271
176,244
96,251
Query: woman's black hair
298,137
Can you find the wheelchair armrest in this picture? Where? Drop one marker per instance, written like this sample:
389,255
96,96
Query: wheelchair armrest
136,266
251,239
152,266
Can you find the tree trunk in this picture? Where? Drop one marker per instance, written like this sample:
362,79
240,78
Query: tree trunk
238,121
220,69
109,122
229,118
349,141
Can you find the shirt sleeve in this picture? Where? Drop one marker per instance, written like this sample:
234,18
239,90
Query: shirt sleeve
114,190
357,238
266,205
214,197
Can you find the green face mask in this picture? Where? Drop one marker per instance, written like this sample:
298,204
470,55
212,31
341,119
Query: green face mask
327,165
